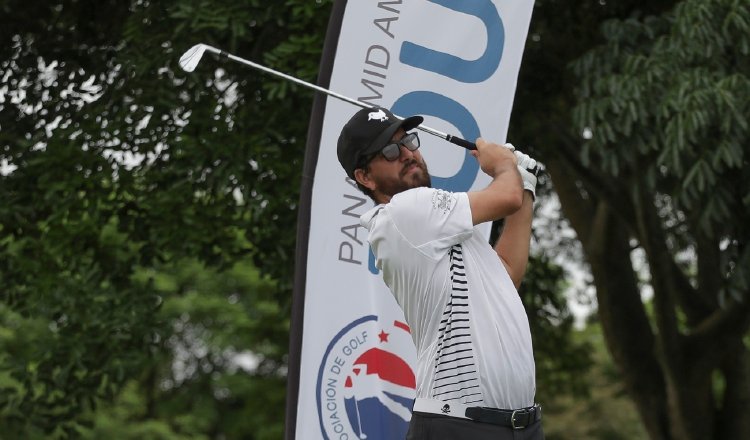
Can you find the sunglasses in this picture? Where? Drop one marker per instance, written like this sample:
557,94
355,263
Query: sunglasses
392,151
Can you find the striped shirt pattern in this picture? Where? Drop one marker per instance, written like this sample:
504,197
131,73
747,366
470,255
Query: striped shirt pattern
456,376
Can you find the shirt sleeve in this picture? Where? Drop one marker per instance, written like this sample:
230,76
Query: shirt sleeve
431,220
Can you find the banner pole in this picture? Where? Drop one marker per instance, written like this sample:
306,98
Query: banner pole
312,150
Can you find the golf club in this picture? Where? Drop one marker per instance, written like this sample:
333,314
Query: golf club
190,59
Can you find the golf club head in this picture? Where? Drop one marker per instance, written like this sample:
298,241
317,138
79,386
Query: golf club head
190,59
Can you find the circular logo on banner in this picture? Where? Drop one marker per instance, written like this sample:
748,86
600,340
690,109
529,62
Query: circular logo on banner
365,387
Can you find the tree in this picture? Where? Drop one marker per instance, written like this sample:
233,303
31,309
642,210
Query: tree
217,371
663,96
114,160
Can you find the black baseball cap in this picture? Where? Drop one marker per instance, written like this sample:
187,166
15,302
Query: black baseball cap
369,130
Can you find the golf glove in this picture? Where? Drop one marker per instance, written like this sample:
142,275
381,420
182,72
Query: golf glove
527,166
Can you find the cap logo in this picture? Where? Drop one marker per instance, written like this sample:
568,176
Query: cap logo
379,115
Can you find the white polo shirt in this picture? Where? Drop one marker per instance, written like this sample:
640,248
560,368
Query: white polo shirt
467,321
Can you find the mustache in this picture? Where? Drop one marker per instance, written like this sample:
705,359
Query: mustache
408,164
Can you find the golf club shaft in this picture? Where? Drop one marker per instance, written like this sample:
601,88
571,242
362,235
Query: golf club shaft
450,138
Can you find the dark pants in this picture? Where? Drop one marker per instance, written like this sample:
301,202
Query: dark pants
426,426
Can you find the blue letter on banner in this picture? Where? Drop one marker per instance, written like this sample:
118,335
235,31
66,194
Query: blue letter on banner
452,66
427,103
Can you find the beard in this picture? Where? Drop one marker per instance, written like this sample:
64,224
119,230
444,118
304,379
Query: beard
406,179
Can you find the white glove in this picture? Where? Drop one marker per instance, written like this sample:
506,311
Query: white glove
527,167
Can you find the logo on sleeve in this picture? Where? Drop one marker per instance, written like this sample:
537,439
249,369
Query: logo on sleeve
443,200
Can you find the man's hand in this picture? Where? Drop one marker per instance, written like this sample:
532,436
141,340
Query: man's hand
493,158
527,166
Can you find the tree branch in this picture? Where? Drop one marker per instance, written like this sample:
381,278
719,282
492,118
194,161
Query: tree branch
626,325
699,303
660,261
720,331
736,369
695,305
580,216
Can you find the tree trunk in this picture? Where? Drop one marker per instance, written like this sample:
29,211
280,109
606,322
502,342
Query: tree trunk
733,419
667,364
626,328
691,412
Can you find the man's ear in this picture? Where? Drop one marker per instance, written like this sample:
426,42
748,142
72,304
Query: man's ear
363,178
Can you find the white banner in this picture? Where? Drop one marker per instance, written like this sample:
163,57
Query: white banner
456,63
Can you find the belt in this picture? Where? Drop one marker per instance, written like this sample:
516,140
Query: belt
512,418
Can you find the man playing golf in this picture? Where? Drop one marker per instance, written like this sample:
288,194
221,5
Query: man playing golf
475,366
